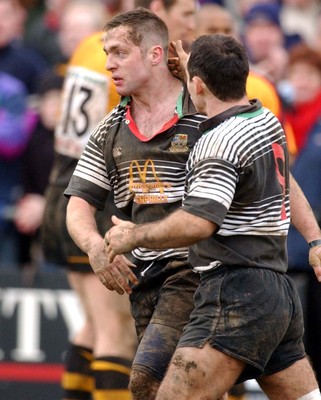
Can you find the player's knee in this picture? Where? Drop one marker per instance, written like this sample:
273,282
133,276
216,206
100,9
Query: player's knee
142,386
314,395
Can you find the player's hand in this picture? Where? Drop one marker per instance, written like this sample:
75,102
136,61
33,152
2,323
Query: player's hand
114,276
177,65
315,261
120,238
118,275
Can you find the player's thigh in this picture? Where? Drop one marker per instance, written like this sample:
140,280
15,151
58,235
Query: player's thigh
200,373
290,383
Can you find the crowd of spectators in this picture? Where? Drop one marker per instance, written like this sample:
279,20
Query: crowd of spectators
37,38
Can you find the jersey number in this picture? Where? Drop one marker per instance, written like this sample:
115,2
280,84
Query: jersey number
82,96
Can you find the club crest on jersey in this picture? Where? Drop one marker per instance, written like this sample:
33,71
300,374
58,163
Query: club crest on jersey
179,143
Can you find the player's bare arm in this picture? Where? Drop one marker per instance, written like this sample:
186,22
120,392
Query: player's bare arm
304,221
82,227
177,230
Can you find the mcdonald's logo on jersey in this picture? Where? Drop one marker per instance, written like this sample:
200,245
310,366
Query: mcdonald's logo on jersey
145,184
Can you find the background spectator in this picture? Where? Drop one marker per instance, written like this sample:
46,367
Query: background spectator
265,40
15,127
37,162
43,30
16,57
298,17
304,79
80,19
25,67
63,24
316,43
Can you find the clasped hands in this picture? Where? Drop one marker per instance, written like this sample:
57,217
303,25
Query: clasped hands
120,239
108,261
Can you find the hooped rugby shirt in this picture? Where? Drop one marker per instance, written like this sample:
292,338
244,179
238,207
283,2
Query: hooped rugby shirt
238,177
147,175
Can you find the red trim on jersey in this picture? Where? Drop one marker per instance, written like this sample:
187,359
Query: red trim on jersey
29,372
136,132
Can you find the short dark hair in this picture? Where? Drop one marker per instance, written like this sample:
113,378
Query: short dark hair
143,26
222,63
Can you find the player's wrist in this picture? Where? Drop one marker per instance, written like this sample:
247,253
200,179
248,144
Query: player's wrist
137,239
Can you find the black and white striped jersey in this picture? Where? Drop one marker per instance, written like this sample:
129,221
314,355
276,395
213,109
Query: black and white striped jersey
237,177
146,175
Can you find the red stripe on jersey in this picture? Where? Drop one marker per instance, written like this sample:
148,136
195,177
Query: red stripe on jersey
133,127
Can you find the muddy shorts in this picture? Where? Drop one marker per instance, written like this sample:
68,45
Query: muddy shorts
252,314
59,248
161,307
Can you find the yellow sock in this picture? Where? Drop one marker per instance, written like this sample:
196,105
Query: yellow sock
111,376
77,380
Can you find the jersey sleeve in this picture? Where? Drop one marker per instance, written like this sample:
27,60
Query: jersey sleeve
90,180
210,189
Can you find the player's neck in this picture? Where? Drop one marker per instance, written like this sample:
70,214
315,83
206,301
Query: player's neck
152,112
215,106
160,94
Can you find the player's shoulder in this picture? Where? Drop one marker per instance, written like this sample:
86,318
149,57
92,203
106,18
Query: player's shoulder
111,122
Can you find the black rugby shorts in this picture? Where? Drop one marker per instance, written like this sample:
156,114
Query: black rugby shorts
252,314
